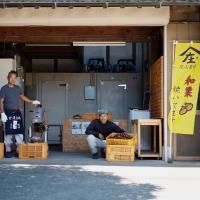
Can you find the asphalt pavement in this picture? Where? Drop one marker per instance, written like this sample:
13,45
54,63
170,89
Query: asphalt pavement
74,176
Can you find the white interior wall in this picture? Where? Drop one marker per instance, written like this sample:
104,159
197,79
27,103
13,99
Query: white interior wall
6,65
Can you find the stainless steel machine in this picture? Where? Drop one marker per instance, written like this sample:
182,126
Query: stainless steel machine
38,127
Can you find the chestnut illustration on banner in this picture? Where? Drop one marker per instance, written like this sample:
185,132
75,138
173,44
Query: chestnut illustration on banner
184,109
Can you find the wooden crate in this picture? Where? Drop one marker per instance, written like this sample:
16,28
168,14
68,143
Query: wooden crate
120,153
1,150
109,116
33,151
89,116
113,141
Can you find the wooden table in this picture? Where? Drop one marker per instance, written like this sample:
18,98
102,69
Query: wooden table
137,123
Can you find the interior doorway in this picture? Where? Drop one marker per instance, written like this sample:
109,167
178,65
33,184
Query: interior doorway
113,93
55,114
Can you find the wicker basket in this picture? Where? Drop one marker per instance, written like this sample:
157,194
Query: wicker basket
1,150
129,142
120,153
33,151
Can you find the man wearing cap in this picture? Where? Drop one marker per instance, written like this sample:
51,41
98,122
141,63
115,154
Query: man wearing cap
97,132
10,113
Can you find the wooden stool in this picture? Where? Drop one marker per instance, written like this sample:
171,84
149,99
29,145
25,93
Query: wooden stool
151,122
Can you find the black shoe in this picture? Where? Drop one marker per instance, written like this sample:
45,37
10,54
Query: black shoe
95,156
17,155
8,154
103,155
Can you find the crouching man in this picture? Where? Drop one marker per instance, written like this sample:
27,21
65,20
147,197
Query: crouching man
97,132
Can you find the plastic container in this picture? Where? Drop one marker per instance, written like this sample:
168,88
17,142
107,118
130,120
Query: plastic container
129,142
120,153
33,151
1,150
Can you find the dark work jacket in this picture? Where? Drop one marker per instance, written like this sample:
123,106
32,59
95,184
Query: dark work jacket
97,127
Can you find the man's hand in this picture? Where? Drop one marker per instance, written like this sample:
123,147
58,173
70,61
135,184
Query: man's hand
36,102
4,117
101,136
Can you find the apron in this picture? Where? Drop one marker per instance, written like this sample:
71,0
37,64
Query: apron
14,124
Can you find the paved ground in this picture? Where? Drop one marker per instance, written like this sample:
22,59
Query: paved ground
74,176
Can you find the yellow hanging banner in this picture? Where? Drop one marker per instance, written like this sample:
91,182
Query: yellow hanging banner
185,88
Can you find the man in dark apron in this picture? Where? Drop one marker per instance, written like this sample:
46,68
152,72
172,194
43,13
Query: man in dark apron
10,113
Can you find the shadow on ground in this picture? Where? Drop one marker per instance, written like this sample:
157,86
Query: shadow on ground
65,182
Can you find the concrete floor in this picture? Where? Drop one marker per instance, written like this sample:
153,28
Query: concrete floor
74,176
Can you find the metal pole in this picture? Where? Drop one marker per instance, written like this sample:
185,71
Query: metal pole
45,136
172,95
30,132
165,93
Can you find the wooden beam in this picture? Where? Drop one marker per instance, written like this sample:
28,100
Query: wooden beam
61,34
64,40
75,30
184,14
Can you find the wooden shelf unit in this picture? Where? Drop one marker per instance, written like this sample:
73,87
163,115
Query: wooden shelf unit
136,128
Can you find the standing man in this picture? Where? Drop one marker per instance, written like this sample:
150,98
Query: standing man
10,113
97,132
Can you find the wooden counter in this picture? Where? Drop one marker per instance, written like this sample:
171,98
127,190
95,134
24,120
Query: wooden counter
78,142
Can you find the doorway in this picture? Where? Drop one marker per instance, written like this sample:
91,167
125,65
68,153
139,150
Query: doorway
54,93
112,94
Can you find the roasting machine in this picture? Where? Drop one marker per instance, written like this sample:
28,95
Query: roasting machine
38,127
